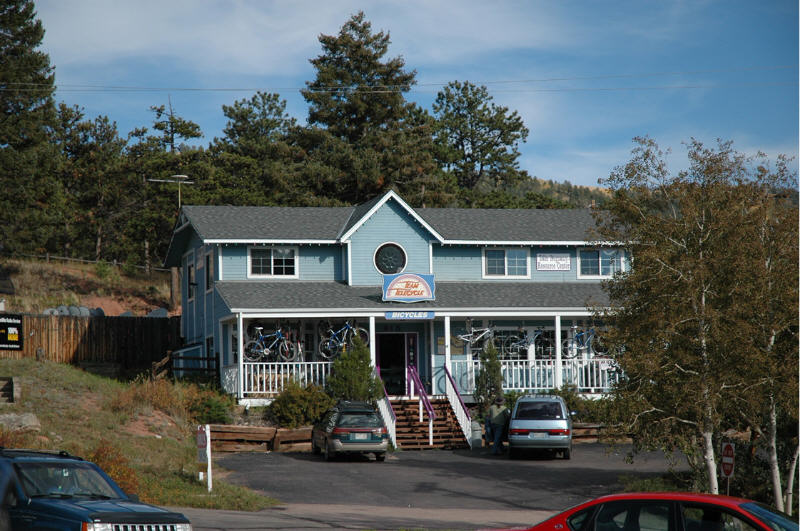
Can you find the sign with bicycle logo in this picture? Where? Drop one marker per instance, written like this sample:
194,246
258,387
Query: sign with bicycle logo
408,287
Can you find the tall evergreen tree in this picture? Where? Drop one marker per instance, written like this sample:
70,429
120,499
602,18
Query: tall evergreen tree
476,139
30,198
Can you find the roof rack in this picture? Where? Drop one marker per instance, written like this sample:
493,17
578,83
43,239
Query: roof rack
29,452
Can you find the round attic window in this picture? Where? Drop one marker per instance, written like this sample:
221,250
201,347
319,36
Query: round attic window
390,258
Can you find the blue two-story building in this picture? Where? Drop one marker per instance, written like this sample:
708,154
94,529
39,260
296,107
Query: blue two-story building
529,278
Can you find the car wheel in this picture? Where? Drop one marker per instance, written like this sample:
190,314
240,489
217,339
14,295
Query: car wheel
314,448
567,453
380,457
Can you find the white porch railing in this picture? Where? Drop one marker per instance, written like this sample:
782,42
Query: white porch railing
595,375
458,406
271,378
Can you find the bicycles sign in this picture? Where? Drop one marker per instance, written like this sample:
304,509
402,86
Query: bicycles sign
408,287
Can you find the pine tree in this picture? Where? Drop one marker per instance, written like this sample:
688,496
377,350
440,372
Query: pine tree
31,205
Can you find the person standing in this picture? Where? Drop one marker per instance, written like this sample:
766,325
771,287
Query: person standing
496,419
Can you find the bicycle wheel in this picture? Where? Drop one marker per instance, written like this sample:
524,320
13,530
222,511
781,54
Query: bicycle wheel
285,350
510,345
253,351
328,348
362,334
597,346
569,349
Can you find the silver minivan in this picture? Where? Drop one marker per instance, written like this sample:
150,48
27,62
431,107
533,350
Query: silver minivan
540,422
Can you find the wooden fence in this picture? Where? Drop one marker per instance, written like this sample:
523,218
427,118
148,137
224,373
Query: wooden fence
131,342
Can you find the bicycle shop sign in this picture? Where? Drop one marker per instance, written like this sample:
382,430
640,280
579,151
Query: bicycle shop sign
408,287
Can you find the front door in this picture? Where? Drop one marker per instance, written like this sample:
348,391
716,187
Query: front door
391,356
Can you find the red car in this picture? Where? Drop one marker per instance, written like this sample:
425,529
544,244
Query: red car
668,511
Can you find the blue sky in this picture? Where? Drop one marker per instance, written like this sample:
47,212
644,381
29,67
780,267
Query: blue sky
585,76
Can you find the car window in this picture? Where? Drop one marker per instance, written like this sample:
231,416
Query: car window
579,519
634,516
708,518
60,478
774,519
359,419
539,411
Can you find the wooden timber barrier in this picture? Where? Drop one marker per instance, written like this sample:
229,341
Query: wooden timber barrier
230,438
131,342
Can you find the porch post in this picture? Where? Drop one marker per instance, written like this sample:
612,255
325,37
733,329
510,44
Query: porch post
446,346
432,336
372,357
240,348
559,376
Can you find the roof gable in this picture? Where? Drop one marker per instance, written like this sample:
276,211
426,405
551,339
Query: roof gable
369,208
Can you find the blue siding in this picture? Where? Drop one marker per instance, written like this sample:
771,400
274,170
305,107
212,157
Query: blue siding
457,263
391,223
315,262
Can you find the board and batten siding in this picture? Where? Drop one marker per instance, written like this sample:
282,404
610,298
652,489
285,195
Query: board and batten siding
391,223
315,262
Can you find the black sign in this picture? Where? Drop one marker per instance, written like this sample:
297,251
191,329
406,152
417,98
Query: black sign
10,332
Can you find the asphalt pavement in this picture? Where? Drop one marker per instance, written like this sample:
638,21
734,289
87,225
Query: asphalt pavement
436,489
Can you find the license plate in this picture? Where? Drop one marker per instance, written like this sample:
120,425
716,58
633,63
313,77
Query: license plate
539,434
360,436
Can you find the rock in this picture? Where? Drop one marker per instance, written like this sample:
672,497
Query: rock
25,422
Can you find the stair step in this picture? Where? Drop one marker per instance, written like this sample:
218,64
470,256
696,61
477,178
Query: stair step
413,435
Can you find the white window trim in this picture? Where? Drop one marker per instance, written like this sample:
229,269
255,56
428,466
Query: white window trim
209,273
274,277
620,264
527,274
375,253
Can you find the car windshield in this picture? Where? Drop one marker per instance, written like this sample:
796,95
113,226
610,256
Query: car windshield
539,411
360,419
774,519
63,479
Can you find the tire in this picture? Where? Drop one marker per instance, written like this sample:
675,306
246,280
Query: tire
286,351
362,334
510,345
567,350
314,448
380,457
598,347
567,453
253,351
328,348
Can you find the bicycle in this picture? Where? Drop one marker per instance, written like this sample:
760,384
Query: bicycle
335,342
269,347
516,345
478,338
583,342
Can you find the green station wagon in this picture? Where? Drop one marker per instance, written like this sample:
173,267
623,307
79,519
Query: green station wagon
350,428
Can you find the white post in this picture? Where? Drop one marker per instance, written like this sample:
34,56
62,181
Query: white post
431,334
447,343
240,348
430,431
372,355
559,379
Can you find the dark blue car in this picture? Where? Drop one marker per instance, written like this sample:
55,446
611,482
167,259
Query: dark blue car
60,492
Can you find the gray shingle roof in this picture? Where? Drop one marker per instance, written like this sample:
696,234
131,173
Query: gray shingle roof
265,223
331,296
510,224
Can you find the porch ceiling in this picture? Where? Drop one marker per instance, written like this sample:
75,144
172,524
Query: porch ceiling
330,296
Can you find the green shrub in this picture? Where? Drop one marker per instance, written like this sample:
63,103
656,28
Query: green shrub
211,408
300,406
353,377
488,379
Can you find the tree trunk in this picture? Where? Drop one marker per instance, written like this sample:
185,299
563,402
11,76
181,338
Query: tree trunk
174,288
775,473
147,257
98,244
710,462
788,502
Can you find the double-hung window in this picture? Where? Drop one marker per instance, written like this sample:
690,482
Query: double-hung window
599,263
506,263
272,262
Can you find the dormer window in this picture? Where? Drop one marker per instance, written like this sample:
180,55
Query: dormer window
271,262
506,263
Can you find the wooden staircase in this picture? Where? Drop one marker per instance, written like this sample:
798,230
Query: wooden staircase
413,434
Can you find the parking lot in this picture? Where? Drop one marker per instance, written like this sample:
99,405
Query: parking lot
429,489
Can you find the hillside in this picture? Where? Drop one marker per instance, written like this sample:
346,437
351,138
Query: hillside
34,286
141,433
